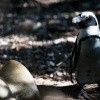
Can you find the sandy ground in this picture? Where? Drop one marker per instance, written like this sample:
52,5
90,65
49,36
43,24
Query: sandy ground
51,82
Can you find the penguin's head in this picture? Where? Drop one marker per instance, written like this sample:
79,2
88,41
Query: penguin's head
85,19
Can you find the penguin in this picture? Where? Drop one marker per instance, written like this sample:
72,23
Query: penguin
86,52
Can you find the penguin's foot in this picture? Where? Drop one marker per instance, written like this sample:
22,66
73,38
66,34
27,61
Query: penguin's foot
83,94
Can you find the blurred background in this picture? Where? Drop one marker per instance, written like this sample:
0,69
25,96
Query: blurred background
40,33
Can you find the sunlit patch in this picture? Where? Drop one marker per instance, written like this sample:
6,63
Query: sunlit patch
4,92
4,89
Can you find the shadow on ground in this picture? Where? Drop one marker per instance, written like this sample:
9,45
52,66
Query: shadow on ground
67,92
58,93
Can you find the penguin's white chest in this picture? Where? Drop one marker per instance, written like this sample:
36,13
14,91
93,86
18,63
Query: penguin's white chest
88,65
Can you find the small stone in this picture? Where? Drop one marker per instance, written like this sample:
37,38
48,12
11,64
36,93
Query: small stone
51,63
59,73
51,75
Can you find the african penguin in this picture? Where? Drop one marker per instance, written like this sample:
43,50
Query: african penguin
86,52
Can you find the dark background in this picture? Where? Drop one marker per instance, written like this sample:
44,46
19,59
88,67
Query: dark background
35,32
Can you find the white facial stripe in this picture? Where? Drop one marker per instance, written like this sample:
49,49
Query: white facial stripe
85,15
90,14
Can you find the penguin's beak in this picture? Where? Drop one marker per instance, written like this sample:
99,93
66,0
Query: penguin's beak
78,19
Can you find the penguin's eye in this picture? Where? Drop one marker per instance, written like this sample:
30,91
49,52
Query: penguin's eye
84,17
